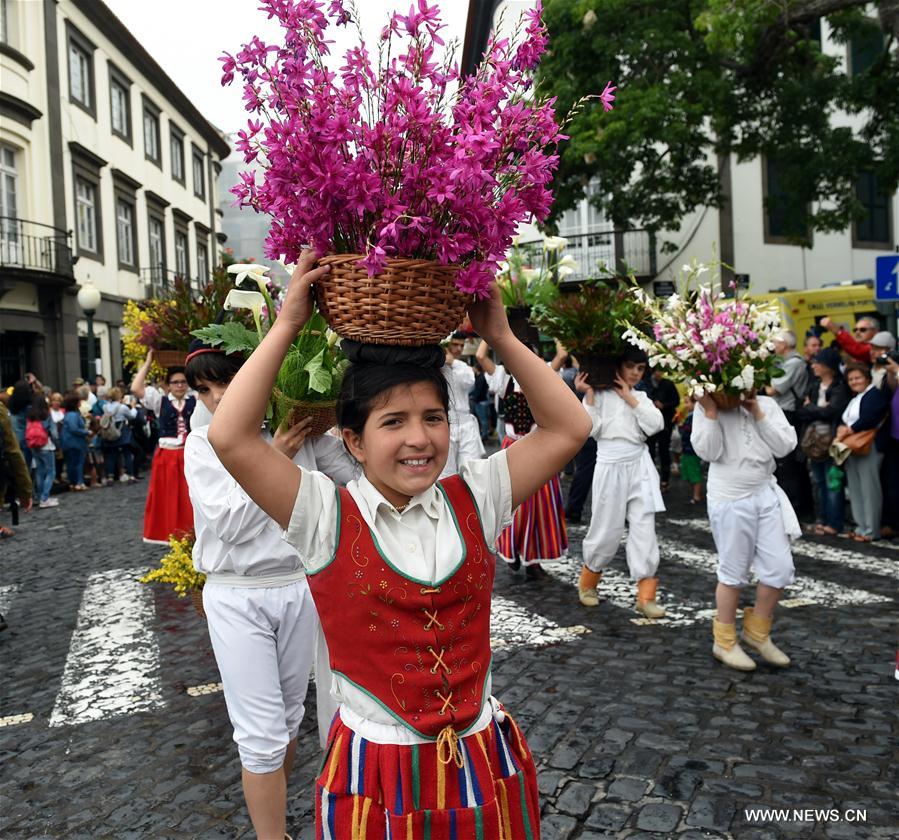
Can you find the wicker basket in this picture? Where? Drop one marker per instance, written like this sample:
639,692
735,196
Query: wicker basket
291,411
726,401
170,358
600,368
521,326
411,303
196,597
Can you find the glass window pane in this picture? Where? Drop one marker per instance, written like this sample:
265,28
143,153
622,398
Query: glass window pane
76,81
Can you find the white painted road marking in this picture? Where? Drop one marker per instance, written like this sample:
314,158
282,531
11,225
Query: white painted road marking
12,720
113,662
7,594
512,626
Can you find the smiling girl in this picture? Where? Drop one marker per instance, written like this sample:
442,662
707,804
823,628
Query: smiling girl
401,570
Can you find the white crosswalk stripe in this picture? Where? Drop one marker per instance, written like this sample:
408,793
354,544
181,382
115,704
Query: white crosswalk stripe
512,626
7,595
113,662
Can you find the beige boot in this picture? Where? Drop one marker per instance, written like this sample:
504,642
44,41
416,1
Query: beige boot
757,634
586,587
726,648
646,598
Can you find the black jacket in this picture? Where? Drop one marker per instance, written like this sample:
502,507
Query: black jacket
837,396
667,395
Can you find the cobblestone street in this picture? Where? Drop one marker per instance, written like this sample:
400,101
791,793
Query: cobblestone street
113,725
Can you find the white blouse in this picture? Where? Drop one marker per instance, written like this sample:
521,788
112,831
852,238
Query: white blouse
235,538
741,450
614,419
423,543
460,378
853,411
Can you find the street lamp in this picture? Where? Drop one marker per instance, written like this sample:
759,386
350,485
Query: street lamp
89,299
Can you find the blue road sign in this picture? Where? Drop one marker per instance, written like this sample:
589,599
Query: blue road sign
886,285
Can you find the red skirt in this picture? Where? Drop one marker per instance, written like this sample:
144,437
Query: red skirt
537,533
405,792
168,509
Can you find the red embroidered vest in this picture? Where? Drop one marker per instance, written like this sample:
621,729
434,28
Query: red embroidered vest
421,650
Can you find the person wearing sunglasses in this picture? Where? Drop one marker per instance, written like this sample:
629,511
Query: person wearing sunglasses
858,343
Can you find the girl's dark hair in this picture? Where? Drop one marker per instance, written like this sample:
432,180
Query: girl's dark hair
632,354
20,398
376,369
170,372
71,402
39,409
212,367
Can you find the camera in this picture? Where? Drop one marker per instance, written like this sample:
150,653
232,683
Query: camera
893,355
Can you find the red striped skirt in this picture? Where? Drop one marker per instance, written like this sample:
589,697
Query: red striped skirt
404,792
537,533
168,509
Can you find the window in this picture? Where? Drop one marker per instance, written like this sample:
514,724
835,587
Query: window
157,249
86,215
177,149
865,48
125,231
199,179
9,188
202,264
152,150
874,230
182,268
81,70
120,104
786,217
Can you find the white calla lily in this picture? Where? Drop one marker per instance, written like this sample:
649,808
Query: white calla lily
568,261
239,299
252,270
554,243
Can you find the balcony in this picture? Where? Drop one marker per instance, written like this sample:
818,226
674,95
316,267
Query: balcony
36,252
158,281
621,251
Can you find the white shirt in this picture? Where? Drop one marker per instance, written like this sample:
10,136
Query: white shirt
614,419
853,411
422,542
234,535
740,449
460,378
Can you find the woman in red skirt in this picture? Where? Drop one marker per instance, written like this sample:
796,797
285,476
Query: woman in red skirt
168,509
537,533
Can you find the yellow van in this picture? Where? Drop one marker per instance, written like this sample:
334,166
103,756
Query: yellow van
800,311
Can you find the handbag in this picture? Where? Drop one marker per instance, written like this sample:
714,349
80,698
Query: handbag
859,443
815,444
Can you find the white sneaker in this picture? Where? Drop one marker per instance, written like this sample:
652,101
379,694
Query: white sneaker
49,503
124,479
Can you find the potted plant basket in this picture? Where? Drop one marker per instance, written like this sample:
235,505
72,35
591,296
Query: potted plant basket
411,201
589,322
720,346
176,569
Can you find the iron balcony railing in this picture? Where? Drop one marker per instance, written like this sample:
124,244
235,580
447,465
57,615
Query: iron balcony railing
620,251
34,246
158,281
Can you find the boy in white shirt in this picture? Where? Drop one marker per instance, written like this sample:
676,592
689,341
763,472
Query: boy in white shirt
752,519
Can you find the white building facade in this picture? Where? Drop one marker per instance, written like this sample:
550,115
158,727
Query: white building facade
108,175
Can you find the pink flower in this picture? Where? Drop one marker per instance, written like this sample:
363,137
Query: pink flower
607,97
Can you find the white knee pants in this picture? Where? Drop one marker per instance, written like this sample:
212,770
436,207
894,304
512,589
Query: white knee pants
264,639
619,497
749,533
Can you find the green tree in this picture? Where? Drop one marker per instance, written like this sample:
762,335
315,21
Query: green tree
699,79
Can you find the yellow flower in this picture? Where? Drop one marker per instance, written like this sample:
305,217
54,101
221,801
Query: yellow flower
177,567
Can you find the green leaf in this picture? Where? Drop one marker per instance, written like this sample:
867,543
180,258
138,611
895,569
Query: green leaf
319,376
230,337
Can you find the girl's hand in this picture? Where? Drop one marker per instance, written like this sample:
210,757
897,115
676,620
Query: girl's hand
751,404
582,384
290,440
624,391
708,406
297,307
488,317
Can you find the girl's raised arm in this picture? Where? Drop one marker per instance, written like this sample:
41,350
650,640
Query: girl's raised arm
562,424
268,476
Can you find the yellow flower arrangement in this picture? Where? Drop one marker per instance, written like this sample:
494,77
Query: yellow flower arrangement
137,320
177,567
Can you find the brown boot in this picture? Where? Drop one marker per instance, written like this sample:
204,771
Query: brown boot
646,598
586,587
757,634
726,649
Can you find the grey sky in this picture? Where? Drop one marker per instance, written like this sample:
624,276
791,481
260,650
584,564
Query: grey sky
186,37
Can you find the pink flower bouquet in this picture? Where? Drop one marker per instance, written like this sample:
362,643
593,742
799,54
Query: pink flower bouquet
402,159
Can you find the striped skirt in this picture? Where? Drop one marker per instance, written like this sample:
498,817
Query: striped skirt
369,791
537,533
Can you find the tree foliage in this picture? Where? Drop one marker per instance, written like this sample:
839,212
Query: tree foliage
699,79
